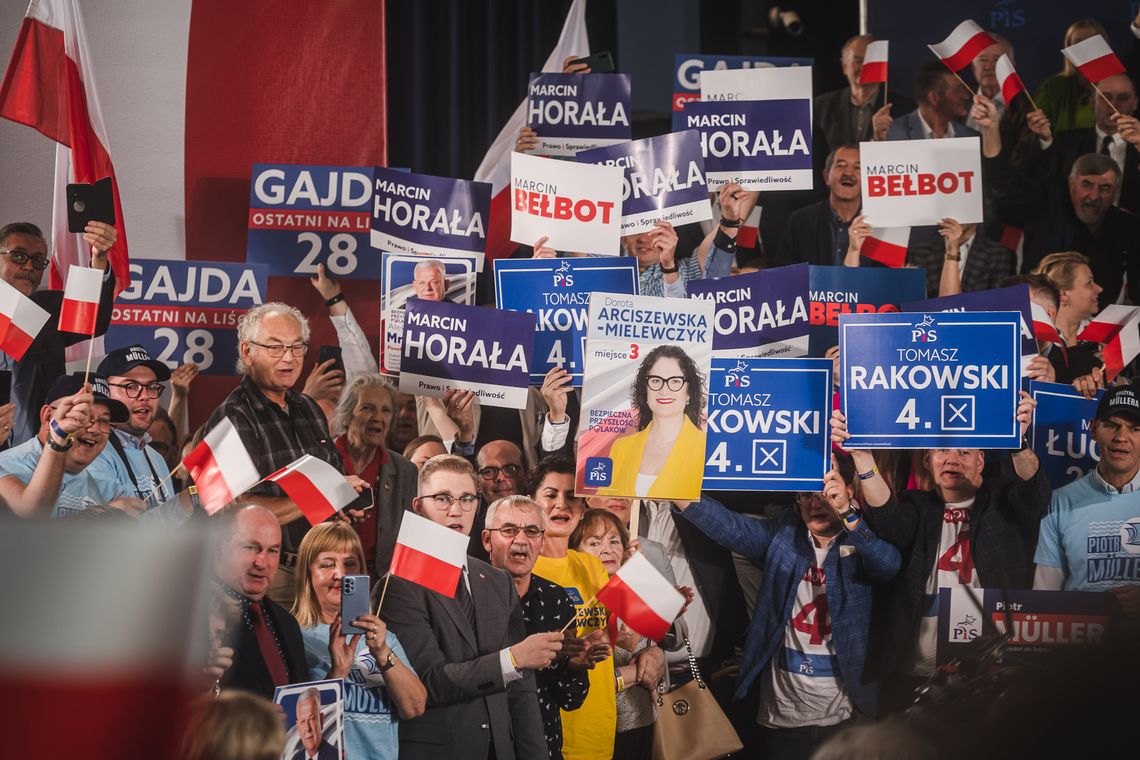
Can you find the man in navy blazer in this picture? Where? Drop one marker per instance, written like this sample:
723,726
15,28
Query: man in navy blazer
943,104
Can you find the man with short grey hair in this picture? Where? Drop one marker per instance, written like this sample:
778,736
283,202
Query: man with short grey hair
309,730
277,425
429,281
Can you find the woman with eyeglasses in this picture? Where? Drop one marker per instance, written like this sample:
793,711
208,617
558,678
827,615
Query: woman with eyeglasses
361,422
664,459
380,688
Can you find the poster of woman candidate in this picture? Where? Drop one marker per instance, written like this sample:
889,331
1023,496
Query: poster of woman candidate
644,397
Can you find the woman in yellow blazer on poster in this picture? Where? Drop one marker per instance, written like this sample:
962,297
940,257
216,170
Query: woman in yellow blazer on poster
665,458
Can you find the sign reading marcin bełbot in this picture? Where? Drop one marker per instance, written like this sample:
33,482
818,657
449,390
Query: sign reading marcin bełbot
855,290
919,381
909,183
576,206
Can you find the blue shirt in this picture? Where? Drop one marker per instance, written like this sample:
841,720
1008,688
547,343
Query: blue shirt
21,427
1092,534
370,719
77,491
144,462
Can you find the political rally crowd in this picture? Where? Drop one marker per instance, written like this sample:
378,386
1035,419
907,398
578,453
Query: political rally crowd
810,620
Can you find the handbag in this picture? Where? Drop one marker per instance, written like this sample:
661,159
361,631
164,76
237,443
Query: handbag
690,724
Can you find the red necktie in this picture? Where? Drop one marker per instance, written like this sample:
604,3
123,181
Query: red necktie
265,642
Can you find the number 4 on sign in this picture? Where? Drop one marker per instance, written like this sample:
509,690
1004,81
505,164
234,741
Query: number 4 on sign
814,620
719,458
908,416
556,356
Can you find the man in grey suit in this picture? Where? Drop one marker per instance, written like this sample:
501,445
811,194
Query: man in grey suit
943,104
471,651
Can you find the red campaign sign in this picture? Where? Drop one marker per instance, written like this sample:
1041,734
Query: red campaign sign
176,316
1044,629
321,221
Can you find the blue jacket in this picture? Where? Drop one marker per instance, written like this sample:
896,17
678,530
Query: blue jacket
783,548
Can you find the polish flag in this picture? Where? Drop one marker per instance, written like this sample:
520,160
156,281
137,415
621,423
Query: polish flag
221,467
1043,327
642,598
1010,82
874,63
962,46
318,488
1121,350
496,166
103,635
50,86
1109,322
21,320
80,308
429,554
887,245
1094,58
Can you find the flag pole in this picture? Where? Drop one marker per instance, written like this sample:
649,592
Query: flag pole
963,81
383,591
1106,100
593,600
159,484
94,327
634,517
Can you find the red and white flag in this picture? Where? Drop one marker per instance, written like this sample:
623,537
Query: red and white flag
429,554
962,46
496,166
21,320
1010,82
221,467
874,63
1094,58
1043,327
80,309
1118,328
50,86
887,245
104,637
642,598
318,488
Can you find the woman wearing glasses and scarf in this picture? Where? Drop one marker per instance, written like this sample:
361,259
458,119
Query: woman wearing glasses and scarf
664,459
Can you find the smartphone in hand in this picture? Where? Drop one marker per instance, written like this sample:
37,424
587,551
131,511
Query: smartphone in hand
354,596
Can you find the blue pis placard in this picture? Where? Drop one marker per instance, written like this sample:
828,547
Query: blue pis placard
768,426
855,290
758,144
573,112
763,314
664,180
187,312
301,216
917,381
447,346
687,68
1062,435
557,292
418,213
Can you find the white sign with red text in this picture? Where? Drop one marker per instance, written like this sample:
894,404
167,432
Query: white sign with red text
909,183
577,206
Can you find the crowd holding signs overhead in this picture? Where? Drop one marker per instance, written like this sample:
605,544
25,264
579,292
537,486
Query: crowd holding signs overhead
896,429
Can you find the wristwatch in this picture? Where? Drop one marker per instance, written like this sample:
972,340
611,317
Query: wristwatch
670,270
730,223
389,663
850,515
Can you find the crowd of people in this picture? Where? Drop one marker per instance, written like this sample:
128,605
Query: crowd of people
809,615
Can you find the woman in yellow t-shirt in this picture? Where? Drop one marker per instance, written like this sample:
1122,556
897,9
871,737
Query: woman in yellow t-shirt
588,732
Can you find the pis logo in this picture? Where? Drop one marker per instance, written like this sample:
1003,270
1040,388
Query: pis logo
965,630
924,331
737,377
599,471
562,276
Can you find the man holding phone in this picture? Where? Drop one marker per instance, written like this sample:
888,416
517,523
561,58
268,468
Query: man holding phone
23,260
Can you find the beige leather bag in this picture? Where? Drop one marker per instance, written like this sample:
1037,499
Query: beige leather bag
690,724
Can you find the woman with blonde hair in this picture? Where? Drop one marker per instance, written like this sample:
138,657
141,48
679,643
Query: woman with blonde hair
379,686
236,725
1070,272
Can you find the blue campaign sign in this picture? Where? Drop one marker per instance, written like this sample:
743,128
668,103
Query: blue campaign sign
1062,439
664,180
573,112
921,381
759,144
449,345
1013,298
687,68
855,290
557,292
768,424
1040,623
764,314
418,213
301,216
187,311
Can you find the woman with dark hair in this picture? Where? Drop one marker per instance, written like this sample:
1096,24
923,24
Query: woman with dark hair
665,458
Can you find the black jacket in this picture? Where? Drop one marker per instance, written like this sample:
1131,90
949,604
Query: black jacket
249,671
807,238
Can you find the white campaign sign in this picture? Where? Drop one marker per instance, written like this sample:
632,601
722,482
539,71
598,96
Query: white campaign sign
578,206
918,182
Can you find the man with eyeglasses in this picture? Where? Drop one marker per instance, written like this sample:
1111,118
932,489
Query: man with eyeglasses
471,649
513,538
136,381
276,424
49,475
23,259
499,465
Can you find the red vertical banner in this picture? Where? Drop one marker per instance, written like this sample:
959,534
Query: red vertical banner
268,84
